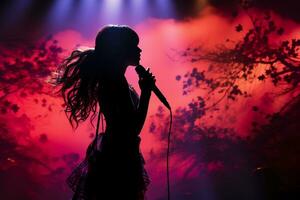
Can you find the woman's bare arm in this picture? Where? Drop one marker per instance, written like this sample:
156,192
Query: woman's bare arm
146,83
142,109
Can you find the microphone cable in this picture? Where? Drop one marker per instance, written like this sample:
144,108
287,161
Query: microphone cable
168,154
141,71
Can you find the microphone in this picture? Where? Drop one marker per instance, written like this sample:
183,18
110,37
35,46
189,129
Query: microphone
141,71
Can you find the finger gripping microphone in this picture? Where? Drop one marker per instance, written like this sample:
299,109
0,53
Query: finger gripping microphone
141,71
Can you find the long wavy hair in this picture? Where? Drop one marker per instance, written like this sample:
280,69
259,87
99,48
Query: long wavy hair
80,75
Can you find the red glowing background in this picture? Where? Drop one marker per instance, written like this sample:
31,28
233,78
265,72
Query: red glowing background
224,126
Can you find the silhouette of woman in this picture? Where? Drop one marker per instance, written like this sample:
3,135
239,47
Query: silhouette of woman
114,166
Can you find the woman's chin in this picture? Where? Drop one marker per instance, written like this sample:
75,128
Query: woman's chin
135,63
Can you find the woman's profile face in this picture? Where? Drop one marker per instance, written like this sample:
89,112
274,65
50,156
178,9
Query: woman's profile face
133,54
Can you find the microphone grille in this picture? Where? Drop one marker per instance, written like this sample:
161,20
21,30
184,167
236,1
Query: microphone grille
140,70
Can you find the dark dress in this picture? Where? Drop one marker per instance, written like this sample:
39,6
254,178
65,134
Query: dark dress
114,166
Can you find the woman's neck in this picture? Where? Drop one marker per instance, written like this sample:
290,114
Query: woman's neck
123,69
119,69
116,78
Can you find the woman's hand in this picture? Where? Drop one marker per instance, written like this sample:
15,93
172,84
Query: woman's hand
147,82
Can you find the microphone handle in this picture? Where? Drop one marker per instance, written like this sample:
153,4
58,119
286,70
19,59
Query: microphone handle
141,72
161,97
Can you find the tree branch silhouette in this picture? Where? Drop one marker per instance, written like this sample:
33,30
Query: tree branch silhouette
239,62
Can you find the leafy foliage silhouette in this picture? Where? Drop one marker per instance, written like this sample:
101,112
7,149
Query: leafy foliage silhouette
257,57
243,61
24,69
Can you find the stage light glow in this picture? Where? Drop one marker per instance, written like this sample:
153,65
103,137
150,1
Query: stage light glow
138,9
112,5
110,11
165,8
59,12
90,14
86,11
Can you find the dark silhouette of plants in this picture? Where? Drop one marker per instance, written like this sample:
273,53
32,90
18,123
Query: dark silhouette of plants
24,69
24,66
260,55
